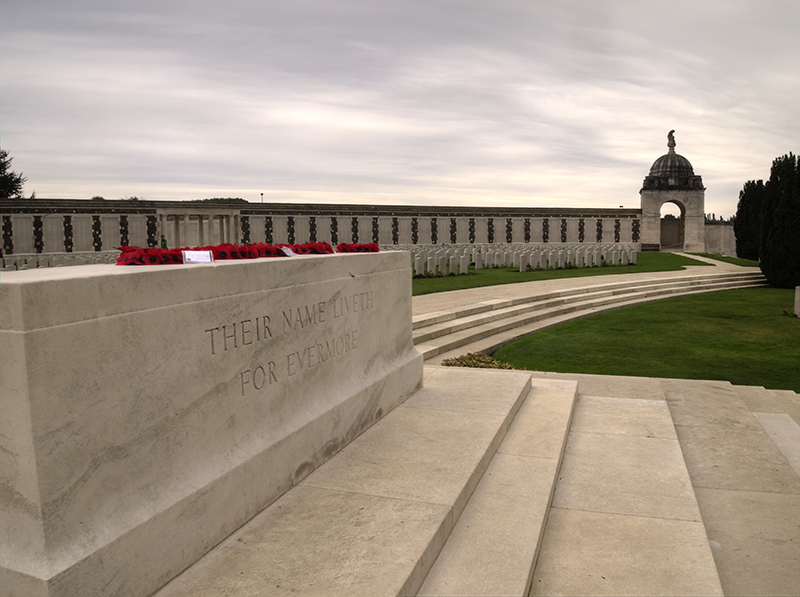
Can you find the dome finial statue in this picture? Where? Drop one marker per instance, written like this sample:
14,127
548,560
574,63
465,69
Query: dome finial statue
671,141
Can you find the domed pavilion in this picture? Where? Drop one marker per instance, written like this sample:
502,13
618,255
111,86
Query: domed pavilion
672,180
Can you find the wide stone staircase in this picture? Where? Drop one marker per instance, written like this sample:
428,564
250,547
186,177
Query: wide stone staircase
485,326
489,482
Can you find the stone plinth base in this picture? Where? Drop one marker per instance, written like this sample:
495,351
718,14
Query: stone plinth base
148,412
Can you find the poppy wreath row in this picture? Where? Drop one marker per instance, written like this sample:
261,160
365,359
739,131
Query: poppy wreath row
357,248
157,256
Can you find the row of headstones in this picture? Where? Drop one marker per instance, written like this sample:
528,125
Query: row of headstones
33,260
457,258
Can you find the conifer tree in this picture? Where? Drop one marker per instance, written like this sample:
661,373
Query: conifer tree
10,182
779,247
747,224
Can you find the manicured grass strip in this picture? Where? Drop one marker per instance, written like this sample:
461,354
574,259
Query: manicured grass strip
741,336
726,259
646,262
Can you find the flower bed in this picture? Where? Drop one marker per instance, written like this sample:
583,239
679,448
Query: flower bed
157,256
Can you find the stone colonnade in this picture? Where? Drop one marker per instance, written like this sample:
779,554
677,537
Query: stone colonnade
66,226
190,228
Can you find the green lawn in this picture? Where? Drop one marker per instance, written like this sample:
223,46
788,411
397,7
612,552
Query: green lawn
741,336
733,260
646,262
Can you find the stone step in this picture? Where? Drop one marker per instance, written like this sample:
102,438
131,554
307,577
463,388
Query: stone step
494,546
437,317
373,519
506,325
497,310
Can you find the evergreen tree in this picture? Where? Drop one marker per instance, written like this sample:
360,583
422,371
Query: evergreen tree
780,224
10,182
747,224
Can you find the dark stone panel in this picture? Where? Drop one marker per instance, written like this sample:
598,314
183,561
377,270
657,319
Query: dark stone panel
97,233
490,230
268,230
68,239
527,230
414,231
123,230
581,230
509,230
8,236
354,229
334,231
312,229
546,230
290,229
599,230
38,233
434,231
453,230
395,231
563,230
152,231
245,230
376,231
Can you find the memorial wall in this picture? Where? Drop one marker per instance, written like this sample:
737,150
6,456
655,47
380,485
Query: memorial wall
47,226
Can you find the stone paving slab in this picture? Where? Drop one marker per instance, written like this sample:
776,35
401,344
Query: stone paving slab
623,468
785,434
736,458
632,416
598,553
755,538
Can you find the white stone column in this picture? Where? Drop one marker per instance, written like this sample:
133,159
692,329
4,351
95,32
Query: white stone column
176,231
200,232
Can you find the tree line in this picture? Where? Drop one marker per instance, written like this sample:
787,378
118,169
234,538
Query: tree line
767,224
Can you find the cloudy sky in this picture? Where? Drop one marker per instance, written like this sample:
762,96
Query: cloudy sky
459,102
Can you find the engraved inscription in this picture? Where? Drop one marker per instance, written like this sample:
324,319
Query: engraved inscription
260,375
242,333
318,353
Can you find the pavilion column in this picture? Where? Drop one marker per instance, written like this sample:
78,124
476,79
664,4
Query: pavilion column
201,241
186,241
176,231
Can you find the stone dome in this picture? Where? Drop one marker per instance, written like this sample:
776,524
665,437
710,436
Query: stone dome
672,171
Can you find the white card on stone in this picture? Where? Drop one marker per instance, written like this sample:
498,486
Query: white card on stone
198,257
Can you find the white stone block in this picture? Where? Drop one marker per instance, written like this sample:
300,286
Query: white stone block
797,301
148,412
